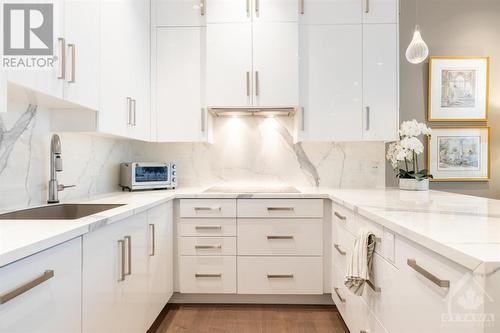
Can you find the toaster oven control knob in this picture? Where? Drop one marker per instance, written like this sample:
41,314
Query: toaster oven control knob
174,166
173,179
174,173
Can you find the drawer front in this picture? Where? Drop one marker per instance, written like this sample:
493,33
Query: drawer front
207,246
53,304
203,274
207,208
280,237
280,275
342,245
207,227
278,208
344,217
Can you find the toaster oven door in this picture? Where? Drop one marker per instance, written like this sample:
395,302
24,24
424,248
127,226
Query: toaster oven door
151,175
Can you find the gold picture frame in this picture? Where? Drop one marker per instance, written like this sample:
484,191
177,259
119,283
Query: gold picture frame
431,169
483,94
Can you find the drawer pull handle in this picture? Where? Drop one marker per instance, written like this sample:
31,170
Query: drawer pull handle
342,217
373,287
212,209
428,275
208,227
201,247
199,275
128,240
337,247
121,245
153,240
280,276
338,295
48,274
288,209
279,237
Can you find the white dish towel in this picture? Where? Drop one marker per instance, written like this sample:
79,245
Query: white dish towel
359,261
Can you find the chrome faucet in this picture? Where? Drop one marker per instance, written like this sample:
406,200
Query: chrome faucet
55,167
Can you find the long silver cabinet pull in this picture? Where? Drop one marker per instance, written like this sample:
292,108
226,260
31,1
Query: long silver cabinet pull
303,119
279,237
48,274
128,241
248,8
338,295
280,276
208,227
129,111
301,2
203,126
200,275
280,209
428,275
342,217
121,246
207,209
367,127
72,73
62,58
367,6
134,112
257,83
203,10
257,8
248,83
339,250
373,287
153,240
207,247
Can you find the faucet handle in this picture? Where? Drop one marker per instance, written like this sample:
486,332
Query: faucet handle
61,187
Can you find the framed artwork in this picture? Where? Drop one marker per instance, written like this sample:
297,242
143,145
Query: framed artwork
458,88
459,153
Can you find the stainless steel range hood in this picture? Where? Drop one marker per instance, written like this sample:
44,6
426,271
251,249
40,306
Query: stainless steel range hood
252,111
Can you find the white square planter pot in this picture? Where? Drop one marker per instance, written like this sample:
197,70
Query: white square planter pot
414,185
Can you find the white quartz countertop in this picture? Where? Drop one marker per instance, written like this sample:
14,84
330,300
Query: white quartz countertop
464,229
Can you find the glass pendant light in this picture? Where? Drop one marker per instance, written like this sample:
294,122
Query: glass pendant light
417,51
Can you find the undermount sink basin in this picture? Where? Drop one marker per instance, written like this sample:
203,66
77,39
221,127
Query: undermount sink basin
252,189
58,212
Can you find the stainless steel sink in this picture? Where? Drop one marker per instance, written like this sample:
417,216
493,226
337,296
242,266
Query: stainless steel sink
58,212
252,189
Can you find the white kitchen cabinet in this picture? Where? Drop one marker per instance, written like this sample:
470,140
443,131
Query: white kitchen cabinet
228,11
331,12
160,260
181,114
275,64
380,11
380,82
275,11
331,77
53,304
82,60
229,65
179,13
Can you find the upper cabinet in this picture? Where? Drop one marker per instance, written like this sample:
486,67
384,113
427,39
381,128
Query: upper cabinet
380,11
179,13
232,11
330,11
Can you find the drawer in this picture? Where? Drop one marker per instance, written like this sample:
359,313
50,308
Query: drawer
280,237
278,208
207,246
207,208
203,274
345,217
280,275
53,303
207,227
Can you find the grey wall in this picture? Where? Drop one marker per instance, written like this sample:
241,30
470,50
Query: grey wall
452,28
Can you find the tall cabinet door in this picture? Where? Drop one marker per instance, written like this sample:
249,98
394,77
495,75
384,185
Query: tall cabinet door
380,11
331,82
179,90
82,60
275,64
331,12
228,11
229,65
380,82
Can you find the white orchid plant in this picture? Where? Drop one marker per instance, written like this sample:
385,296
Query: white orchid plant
405,151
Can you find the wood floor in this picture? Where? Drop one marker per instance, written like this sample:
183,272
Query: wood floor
252,319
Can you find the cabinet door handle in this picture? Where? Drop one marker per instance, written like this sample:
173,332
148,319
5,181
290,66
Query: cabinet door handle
367,6
288,209
341,217
153,240
203,10
207,247
134,112
248,8
257,83
338,295
367,127
428,275
121,246
279,237
48,274
62,58
203,125
301,7
280,276
339,250
129,111
128,240
200,275
248,83
208,227
197,209
257,8
72,73
302,119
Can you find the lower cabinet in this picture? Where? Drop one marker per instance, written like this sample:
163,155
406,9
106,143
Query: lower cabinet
51,301
127,273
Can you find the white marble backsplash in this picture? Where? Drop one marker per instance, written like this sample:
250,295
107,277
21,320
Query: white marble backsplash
257,151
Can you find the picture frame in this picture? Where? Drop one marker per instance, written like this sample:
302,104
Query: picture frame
458,89
458,154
